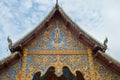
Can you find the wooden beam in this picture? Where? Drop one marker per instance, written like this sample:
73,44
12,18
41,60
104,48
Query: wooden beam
57,52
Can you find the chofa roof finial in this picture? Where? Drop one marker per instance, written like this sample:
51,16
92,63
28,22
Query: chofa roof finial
105,44
9,42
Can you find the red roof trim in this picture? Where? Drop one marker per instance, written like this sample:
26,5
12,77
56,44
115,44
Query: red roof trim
106,62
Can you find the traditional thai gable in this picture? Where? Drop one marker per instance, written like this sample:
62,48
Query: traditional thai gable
58,42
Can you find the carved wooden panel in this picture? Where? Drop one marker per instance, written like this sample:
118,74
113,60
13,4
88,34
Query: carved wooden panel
56,37
43,62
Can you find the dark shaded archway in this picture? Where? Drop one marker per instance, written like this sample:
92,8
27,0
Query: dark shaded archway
50,75
37,76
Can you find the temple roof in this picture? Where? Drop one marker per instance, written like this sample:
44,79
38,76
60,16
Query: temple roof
97,48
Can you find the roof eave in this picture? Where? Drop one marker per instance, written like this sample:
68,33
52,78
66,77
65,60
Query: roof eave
12,59
107,61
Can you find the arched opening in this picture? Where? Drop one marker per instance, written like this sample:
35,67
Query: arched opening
50,75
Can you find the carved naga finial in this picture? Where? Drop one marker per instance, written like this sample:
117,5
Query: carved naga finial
105,44
9,42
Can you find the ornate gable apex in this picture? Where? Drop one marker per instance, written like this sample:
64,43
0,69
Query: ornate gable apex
75,29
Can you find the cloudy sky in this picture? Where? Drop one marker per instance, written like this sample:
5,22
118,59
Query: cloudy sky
99,18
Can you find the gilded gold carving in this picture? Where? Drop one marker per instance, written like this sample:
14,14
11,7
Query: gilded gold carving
57,52
93,73
56,37
58,61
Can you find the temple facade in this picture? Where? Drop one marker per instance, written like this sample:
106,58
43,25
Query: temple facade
58,49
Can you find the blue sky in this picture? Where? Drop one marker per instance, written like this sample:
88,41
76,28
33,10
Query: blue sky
99,18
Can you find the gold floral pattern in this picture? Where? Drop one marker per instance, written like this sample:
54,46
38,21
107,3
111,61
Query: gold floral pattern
42,62
56,37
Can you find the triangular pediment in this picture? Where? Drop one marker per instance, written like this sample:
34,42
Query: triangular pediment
56,36
57,17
